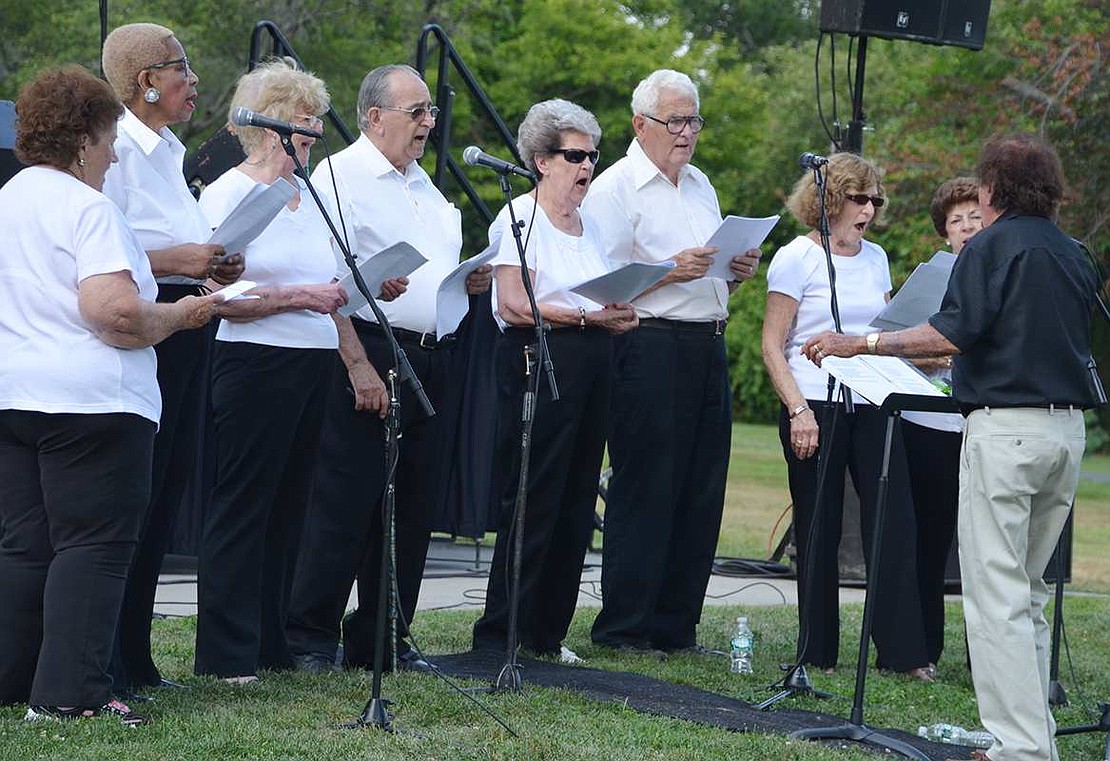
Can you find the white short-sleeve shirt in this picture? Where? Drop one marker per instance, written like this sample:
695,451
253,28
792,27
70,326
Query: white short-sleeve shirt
148,185
295,249
57,231
799,270
381,207
560,261
646,218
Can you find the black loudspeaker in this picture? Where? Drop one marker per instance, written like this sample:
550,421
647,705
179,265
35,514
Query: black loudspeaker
215,156
937,22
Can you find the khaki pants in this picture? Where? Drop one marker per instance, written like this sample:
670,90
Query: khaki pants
1018,472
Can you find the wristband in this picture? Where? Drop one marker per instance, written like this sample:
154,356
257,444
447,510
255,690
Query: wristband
798,410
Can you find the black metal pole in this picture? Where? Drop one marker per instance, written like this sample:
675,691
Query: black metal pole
855,127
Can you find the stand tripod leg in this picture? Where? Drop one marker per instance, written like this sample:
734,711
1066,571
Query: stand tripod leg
796,683
1056,694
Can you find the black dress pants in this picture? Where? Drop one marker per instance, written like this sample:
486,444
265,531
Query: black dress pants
934,461
898,629
267,402
343,532
568,439
669,436
182,378
72,492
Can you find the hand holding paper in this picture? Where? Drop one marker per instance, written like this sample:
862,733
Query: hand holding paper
251,216
735,236
623,284
452,298
397,261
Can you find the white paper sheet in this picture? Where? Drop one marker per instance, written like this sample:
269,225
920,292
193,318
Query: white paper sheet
251,216
735,236
920,296
399,260
452,300
875,378
624,283
236,291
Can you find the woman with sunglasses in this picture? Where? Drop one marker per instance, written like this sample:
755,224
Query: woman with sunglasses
147,67
273,356
798,306
558,141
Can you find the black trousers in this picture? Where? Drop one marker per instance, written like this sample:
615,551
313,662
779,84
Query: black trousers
934,461
182,377
72,492
568,439
669,437
267,402
343,533
898,629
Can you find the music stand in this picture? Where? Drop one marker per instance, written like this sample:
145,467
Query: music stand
893,406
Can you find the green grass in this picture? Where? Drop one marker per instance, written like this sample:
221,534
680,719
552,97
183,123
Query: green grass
296,716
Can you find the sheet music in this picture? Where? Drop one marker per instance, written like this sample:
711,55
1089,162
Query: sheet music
875,378
735,236
452,300
251,216
399,260
236,291
624,283
920,296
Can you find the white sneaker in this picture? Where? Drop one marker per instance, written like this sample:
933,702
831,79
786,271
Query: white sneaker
568,657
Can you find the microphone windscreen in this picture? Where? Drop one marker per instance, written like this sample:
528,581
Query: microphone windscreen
471,154
241,116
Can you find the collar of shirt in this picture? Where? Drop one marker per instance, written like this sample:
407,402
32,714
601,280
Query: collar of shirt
644,169
380,166
147,139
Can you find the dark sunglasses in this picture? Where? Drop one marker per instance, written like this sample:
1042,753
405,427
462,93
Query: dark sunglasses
861,199
577,155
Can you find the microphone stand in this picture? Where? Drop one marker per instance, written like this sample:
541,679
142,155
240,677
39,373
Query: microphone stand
796,681
509,679
376,713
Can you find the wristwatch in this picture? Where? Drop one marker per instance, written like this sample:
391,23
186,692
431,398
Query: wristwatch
873,343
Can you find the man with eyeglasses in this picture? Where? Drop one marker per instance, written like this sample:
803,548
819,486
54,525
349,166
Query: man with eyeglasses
670,416
385,197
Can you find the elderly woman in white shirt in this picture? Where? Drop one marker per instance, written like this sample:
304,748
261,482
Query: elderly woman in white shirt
150,72
274,353
79,403
558,141
798,306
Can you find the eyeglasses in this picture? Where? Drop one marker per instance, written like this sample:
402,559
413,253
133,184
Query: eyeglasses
577,155
676,124
417,113
310,121
862,199
182,64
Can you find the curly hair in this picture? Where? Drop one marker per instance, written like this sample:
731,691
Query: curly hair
57,109
128,50
954,192
544,124
845,173
1023,173
278,89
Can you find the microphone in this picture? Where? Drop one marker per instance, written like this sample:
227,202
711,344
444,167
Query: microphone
475,156
812,161
244,117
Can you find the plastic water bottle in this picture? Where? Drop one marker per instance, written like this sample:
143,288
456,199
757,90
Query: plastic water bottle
956,735
740,651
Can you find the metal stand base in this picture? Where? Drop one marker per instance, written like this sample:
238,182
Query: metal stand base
796,683
376,715
1103,725
860,733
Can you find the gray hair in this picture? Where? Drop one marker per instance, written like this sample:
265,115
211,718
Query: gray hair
645,98
375,91
278,89
545,122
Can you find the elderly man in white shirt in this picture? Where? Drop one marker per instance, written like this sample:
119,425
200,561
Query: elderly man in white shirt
385,197
670,416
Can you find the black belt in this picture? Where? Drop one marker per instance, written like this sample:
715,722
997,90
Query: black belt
427,341
712,327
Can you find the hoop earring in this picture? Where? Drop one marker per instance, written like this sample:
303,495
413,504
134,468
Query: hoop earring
152,95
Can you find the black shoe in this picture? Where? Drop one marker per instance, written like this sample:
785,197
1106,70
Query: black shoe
631,649
169,684
315,663
411,661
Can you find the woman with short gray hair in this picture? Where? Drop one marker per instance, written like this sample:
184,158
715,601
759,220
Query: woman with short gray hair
562,247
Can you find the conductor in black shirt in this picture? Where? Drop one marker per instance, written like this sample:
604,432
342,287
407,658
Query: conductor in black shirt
1017,315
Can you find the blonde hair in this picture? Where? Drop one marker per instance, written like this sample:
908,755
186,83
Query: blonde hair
128,50
276,88
845,173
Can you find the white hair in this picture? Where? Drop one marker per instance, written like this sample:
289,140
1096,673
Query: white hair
645,98
544,124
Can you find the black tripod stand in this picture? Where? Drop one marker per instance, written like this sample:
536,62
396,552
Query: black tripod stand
375,713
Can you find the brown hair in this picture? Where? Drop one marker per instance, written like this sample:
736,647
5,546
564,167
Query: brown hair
951,193
846,173
1023,173
128,50
56,109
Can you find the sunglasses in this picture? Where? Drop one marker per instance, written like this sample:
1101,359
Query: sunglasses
577,155
417,113
862,199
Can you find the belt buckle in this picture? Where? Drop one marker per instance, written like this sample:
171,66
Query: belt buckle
426,342
719,327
